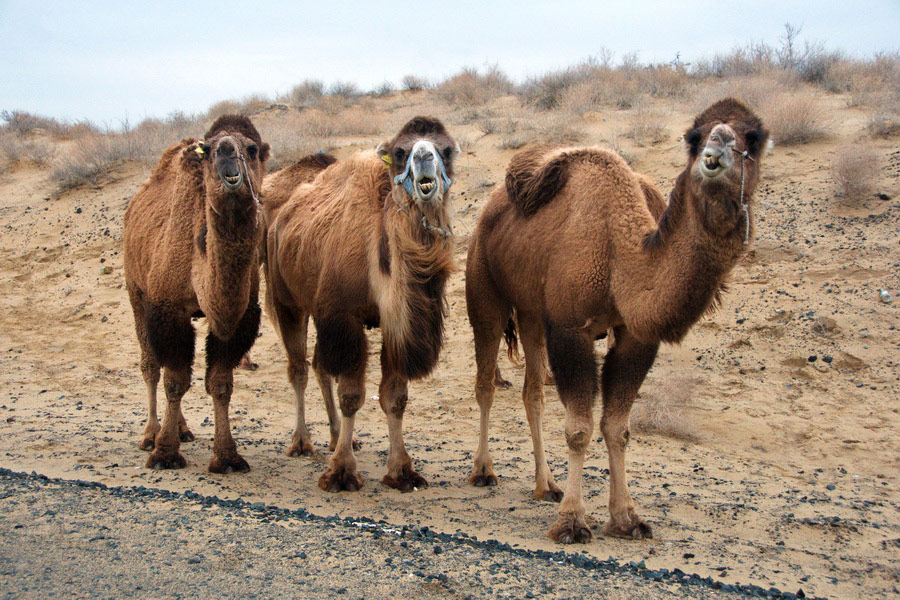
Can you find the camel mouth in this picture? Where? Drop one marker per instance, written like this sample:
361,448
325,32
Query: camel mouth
426,187
712,166
232,182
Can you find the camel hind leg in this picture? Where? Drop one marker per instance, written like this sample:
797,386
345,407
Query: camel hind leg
488,314
532,334
624,369
293,325
150,368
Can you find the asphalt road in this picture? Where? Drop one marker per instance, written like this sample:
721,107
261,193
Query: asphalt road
67,539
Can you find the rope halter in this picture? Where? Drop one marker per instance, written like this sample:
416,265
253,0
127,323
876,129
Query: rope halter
744,156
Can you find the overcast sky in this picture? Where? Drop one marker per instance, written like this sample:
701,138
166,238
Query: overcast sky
106,61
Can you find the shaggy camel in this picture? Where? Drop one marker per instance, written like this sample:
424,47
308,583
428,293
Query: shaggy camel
366,244
191,249
577,244
277,190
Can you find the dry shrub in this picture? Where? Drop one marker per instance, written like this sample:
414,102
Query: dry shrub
471,88
249,105
344,89
15,148
663,410
854,170
795,118
647,126
305,94
666,81
884,123
383,89
92,155
319,123
754,91
414,83
557,128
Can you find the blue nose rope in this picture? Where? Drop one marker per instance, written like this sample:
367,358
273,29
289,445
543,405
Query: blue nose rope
406,176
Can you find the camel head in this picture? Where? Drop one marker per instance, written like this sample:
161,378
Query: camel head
725,147
420,159
234,158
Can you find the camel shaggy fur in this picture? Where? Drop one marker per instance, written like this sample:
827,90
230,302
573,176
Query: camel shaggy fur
577,244
192,236
366,244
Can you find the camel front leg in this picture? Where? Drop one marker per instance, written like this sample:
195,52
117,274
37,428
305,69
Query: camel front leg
571,353
222,357
342,473
165,454
624,370
150,371
393,395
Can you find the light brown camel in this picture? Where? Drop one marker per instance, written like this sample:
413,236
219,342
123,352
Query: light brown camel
573,245
366,244
191,249
277,188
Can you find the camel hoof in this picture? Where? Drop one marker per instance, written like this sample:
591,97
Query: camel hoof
570,529
148,443
165,460
227,464
333,444
635,529
186,436
406,481
554,494
337,479
301,448
483,480
247,364
502,383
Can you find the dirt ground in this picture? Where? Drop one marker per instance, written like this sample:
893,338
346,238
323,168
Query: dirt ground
782,469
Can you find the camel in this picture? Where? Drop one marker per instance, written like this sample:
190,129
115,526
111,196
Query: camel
366,244
577,244
191,249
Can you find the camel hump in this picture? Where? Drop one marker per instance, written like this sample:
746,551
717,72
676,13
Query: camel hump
537,175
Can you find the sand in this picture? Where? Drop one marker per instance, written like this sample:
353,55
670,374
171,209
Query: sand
781,467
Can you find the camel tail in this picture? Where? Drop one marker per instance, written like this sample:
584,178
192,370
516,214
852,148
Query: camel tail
531,184
512,341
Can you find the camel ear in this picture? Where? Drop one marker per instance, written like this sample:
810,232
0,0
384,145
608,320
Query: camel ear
383,149
264,152
202,150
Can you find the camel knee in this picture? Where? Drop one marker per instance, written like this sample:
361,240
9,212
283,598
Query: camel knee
394,404
616,433
578,439
177,384
298,372
350,403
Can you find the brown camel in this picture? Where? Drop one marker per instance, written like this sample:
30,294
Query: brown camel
191,249
366,244
573,245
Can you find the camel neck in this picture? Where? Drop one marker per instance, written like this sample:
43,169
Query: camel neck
685,271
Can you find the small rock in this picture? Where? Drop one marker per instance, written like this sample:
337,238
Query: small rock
885,296
106,270
830,487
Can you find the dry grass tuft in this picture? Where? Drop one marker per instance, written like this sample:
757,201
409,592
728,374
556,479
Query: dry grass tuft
663,411
855,170
795,118
647,126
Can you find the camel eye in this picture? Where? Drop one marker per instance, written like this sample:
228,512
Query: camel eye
448,151
252,150
399,154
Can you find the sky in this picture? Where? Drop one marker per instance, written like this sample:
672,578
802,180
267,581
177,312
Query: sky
111,61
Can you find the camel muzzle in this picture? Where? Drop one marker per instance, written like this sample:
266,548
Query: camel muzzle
716,156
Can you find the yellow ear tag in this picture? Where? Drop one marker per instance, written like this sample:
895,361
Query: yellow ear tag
386,159
199,150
